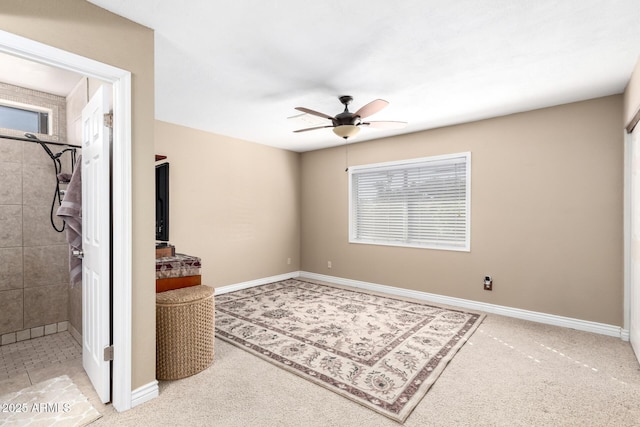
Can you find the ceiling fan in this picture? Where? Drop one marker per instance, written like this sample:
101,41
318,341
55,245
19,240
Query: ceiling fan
347,124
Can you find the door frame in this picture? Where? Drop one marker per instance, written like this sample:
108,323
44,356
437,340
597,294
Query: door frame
626,227
631,307
121,193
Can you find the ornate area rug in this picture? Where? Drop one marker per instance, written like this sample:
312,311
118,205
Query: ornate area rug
382,352
55,402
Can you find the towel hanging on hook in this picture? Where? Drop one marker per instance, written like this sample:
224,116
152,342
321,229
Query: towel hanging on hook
70,211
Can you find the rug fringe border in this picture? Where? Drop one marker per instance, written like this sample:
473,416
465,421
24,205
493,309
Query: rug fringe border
406,411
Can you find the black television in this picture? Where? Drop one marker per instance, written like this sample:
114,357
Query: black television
162,202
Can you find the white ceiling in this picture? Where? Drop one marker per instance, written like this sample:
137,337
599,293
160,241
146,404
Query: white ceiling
31,75
239,67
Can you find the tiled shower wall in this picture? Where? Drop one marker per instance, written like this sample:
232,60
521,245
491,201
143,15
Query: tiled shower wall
34,258
34,277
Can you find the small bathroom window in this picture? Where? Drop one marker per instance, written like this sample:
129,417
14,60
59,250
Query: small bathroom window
25,110
25,118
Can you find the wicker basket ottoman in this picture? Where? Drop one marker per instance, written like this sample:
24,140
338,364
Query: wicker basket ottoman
184,332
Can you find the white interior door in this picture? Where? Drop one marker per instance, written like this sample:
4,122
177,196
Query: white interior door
95,242
634,286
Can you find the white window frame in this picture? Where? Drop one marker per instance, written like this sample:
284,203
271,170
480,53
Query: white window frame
406,165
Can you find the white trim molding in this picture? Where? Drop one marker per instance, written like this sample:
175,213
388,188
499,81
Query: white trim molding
549,319
145,393
627,200
121,230
250,284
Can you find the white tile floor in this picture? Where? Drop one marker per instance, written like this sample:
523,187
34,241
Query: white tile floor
29,355
30,362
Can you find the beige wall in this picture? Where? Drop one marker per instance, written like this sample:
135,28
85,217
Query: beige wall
546,215
82,28
233,203
632,95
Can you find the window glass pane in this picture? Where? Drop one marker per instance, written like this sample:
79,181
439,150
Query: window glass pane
420,203
23,120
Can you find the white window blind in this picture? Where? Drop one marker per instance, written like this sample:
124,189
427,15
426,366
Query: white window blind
417,203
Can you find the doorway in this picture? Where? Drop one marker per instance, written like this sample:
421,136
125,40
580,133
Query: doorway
120,228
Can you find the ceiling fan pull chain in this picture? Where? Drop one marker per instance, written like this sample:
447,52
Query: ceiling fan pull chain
346,156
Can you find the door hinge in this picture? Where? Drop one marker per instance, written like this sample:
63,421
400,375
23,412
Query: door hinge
108,120
77,253
108,353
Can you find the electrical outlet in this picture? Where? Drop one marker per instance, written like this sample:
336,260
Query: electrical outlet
289,261
328,264
488,283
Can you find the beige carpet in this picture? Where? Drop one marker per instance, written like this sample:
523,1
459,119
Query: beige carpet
382,352
510,373
55,402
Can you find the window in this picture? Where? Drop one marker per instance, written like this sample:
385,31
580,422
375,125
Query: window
23,118
416,203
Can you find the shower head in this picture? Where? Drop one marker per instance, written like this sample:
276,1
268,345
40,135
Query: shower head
44,146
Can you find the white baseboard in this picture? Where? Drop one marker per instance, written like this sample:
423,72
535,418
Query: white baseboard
257,282
145,393
549,319
625,334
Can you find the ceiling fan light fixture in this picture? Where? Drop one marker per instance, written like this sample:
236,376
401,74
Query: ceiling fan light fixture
346,131
347,124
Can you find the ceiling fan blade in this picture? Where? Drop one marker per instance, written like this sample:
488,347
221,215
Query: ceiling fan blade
314,128
315,113
385,125
371,108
